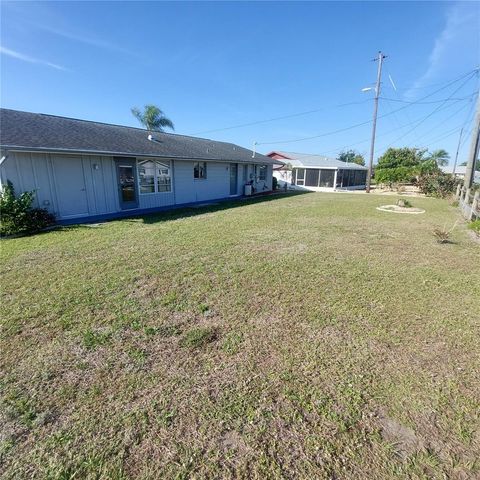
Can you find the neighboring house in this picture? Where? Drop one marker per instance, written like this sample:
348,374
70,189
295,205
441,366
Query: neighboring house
84,170
318,173
460,172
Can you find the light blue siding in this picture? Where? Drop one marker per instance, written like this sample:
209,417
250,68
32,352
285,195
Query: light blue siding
189,189
76,186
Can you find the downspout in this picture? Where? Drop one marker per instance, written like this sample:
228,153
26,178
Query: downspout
3,157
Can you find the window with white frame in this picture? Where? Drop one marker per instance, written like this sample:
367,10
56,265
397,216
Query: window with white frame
200,170
154,176
300,176
261,172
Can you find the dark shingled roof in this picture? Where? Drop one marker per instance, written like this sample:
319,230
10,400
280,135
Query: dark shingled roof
37,131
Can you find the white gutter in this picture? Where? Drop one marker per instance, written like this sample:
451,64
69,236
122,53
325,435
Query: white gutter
72,151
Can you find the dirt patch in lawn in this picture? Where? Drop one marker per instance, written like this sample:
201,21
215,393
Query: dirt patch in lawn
403,439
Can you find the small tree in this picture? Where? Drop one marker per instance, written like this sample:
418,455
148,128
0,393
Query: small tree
152,118
440,157
399,165
401,157
350,156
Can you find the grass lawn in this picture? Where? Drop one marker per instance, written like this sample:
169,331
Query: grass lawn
304,336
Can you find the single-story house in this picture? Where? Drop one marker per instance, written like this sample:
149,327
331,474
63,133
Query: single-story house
306,171
84,170
460,171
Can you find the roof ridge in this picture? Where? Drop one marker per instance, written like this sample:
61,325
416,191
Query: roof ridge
114,125
302,153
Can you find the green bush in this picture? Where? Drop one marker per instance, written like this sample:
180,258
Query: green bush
17,214
475,226
437,184
390,176
274,183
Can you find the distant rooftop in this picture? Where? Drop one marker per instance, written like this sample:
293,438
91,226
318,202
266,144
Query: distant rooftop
311,160
461,170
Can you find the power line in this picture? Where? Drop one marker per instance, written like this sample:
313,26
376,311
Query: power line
433,112
298,114
444,135
428,103
405,112
344,147
428,86
419,119
283,117
470,75
443,121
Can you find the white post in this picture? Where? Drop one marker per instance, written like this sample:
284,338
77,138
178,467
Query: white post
475,205
467,196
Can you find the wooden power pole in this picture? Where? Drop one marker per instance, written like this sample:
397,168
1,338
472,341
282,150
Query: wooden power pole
380,59
474,145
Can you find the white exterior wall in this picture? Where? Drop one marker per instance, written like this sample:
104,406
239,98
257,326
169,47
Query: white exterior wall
75,186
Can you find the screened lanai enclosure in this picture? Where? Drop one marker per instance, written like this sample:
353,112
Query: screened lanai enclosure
315,172
328,178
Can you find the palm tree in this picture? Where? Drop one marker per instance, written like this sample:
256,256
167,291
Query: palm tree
440,157
152,118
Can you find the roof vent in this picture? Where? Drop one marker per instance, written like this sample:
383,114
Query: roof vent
153,139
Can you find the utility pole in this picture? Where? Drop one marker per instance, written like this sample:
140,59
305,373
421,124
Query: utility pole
456,154
474,145
380,58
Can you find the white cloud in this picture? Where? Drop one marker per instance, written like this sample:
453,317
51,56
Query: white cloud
82,37
46,17
457,45
27,58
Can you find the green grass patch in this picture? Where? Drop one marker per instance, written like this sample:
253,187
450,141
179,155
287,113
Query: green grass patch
199,337
296,336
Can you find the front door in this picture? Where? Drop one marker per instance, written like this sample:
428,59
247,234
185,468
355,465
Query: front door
233,178
127,183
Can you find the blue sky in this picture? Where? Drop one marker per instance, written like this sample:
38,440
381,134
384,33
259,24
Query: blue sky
215,65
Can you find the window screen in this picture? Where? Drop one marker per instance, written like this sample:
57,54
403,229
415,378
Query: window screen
326,178
311,177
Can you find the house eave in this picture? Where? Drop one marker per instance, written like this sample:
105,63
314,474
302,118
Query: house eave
22,148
